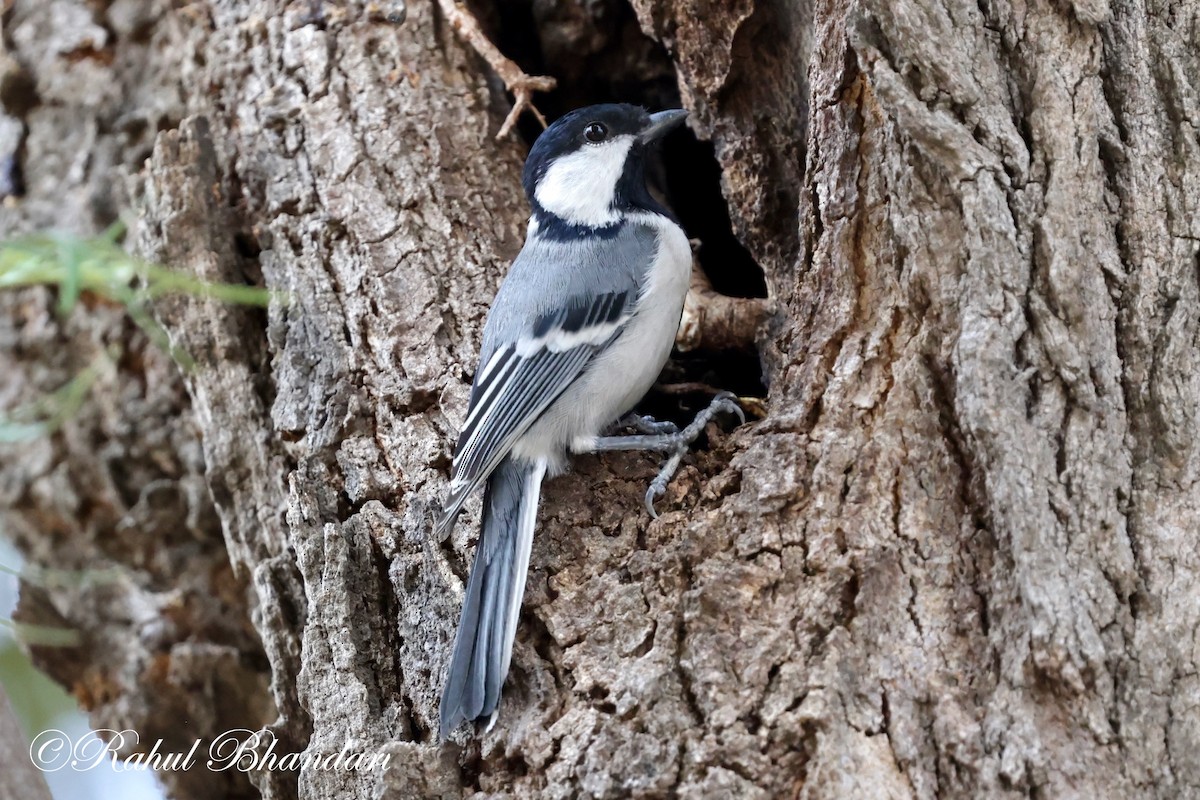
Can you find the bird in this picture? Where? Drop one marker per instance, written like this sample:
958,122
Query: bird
578,332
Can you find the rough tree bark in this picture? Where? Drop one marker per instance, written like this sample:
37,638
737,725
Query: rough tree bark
957,558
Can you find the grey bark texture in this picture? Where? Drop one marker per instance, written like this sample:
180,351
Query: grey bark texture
958,558
23,780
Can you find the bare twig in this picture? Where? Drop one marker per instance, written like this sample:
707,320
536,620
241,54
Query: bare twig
515,80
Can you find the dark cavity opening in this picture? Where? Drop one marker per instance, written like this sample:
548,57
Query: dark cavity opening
599,54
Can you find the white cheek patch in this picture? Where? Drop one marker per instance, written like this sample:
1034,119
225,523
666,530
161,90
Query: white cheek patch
579,188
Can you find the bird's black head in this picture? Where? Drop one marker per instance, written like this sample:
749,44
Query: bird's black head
588,169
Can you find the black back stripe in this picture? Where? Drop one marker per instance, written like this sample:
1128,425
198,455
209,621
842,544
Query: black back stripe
580,314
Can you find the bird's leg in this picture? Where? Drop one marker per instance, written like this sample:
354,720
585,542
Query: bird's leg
643,424
676,443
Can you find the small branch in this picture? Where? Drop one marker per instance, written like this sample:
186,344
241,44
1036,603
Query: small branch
515,80
713,321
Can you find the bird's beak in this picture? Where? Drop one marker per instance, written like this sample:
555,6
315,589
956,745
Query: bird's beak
661,124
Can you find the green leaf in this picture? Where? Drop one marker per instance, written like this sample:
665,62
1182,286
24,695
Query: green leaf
99,265
47,414
74,265
43,635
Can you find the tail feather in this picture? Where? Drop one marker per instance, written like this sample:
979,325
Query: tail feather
492,604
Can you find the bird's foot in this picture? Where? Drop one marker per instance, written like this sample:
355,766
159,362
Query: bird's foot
676,443
723,403
644,424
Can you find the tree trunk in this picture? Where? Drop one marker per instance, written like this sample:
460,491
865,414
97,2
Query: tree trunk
22,781
957,558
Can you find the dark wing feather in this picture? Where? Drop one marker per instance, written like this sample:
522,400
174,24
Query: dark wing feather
521,379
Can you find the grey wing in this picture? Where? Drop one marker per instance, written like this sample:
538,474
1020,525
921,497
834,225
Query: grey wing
562,303
522,378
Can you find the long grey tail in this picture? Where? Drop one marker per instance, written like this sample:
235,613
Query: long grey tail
483,646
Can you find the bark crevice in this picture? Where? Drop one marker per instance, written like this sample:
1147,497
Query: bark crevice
954,559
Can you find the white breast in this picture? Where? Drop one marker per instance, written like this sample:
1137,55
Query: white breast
622,375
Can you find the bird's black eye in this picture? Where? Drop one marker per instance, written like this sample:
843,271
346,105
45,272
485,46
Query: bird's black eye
595,132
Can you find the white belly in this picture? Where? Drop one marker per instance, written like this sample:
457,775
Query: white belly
620,376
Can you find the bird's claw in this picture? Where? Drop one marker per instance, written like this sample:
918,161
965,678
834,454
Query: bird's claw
653,492
727,402
647,425
724,402
658,486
